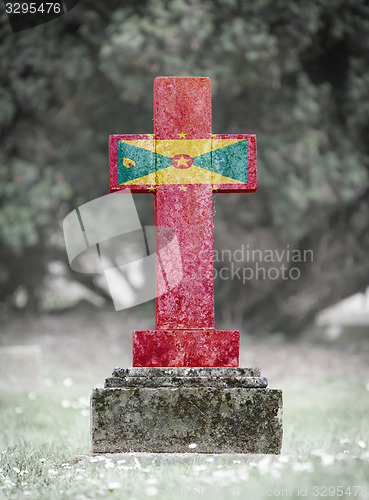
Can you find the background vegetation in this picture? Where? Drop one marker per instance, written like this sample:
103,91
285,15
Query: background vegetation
294,73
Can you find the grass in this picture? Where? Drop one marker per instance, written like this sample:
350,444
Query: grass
325,451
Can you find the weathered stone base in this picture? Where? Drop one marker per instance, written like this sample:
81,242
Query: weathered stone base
126,416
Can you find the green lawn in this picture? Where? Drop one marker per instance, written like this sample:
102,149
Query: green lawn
325,451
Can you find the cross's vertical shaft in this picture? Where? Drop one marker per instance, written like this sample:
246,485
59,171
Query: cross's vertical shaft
190,213
182,109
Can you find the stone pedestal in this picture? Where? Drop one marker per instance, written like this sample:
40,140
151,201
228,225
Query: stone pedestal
169,410
179,348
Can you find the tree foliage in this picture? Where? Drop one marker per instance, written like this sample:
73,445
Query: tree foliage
294,73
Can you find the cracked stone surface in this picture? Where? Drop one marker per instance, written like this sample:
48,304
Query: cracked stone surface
180,371
169,419
186,377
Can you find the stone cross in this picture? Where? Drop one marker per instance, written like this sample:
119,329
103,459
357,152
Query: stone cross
182,164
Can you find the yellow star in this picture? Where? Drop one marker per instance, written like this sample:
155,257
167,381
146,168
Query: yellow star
151,188
183,161
182,135
214,188
213,135
182,188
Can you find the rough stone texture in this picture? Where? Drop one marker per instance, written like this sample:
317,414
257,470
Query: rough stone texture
188,377
185,347
167,419
254,382
189,213
142,371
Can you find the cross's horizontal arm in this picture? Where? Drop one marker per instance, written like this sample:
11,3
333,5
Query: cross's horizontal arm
141,162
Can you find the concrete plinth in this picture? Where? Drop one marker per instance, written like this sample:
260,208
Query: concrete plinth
165,410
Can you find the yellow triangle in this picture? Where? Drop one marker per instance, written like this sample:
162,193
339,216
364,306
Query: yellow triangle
191,147
172,147
192,175
221,179
142,181
222,143
172,175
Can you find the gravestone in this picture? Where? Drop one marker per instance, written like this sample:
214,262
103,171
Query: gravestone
185,391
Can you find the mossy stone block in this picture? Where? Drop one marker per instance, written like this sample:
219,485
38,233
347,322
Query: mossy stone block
170,419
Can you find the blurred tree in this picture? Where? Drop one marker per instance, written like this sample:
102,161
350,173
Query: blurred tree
296,74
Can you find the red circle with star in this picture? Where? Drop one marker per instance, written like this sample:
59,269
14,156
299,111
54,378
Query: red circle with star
182,161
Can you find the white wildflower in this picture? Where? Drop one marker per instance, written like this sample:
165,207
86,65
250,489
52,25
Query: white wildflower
192,446
275,473
114,485
224,473
32,396
318,453
264,464
340,456
303,467
152,491
361,444
199,467
83,401
327,460
67,382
